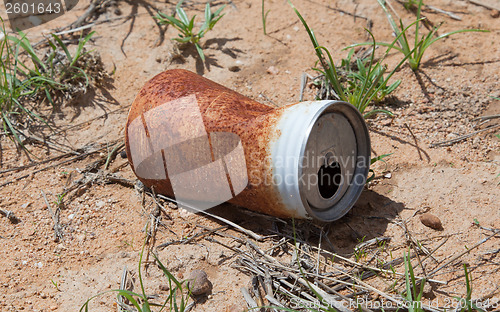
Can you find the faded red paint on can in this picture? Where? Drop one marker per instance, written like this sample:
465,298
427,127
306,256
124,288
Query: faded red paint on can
190,138
223,110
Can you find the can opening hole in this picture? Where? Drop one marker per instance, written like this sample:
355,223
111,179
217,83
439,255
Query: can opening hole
329,178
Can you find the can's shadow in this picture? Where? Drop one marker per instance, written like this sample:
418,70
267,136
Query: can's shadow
368,219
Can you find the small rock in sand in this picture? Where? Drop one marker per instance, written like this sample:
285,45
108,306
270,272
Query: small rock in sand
272,70
431,221
198,282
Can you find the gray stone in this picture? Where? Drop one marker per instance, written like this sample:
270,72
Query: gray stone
198,283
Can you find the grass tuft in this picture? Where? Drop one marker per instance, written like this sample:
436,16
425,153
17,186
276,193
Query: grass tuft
140,301
421,44
185,26
264,17
28,78
363,86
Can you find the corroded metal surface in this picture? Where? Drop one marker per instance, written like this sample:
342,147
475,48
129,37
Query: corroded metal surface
169,96
193,139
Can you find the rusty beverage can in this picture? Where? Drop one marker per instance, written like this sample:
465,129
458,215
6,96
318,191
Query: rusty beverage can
204,144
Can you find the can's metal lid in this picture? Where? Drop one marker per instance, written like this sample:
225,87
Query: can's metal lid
338,149
329,160
322,158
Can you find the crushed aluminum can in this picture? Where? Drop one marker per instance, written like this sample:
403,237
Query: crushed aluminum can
190,138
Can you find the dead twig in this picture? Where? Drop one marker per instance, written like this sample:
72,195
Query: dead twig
234,225
112,154
55,218
431,274
489,229
371,268
450,14
463,137
79,157
10,215
268,99
91,10
191,238
489,117
303,83
36,163
414,140
486,5
123,283
248,298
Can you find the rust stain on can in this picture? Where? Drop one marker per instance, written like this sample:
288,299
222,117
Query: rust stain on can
202,143
222,111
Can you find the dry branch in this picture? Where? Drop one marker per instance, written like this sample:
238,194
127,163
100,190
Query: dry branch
234,225
10,215
55,218
463,137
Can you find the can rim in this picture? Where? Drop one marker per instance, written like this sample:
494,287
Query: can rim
351,195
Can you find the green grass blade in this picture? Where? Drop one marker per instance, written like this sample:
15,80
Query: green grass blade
329,69
417,26
208,13
11,128
362,104
389,17
331,74
79,49
396,69
167,272
379,158
215,20
408,281
219,10
264,16
378,111
182,15
179,4
200,52
183,39
385,44
191,24
165,19
139,273
403,40
456,32
64,47
208,18
26,45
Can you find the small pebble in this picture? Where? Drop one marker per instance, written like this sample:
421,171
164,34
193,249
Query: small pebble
198,282
431,221
123,154
272,70
494,13
427,292
184,213
164,287
24,206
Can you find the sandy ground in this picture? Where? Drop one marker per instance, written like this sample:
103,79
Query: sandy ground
104,225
